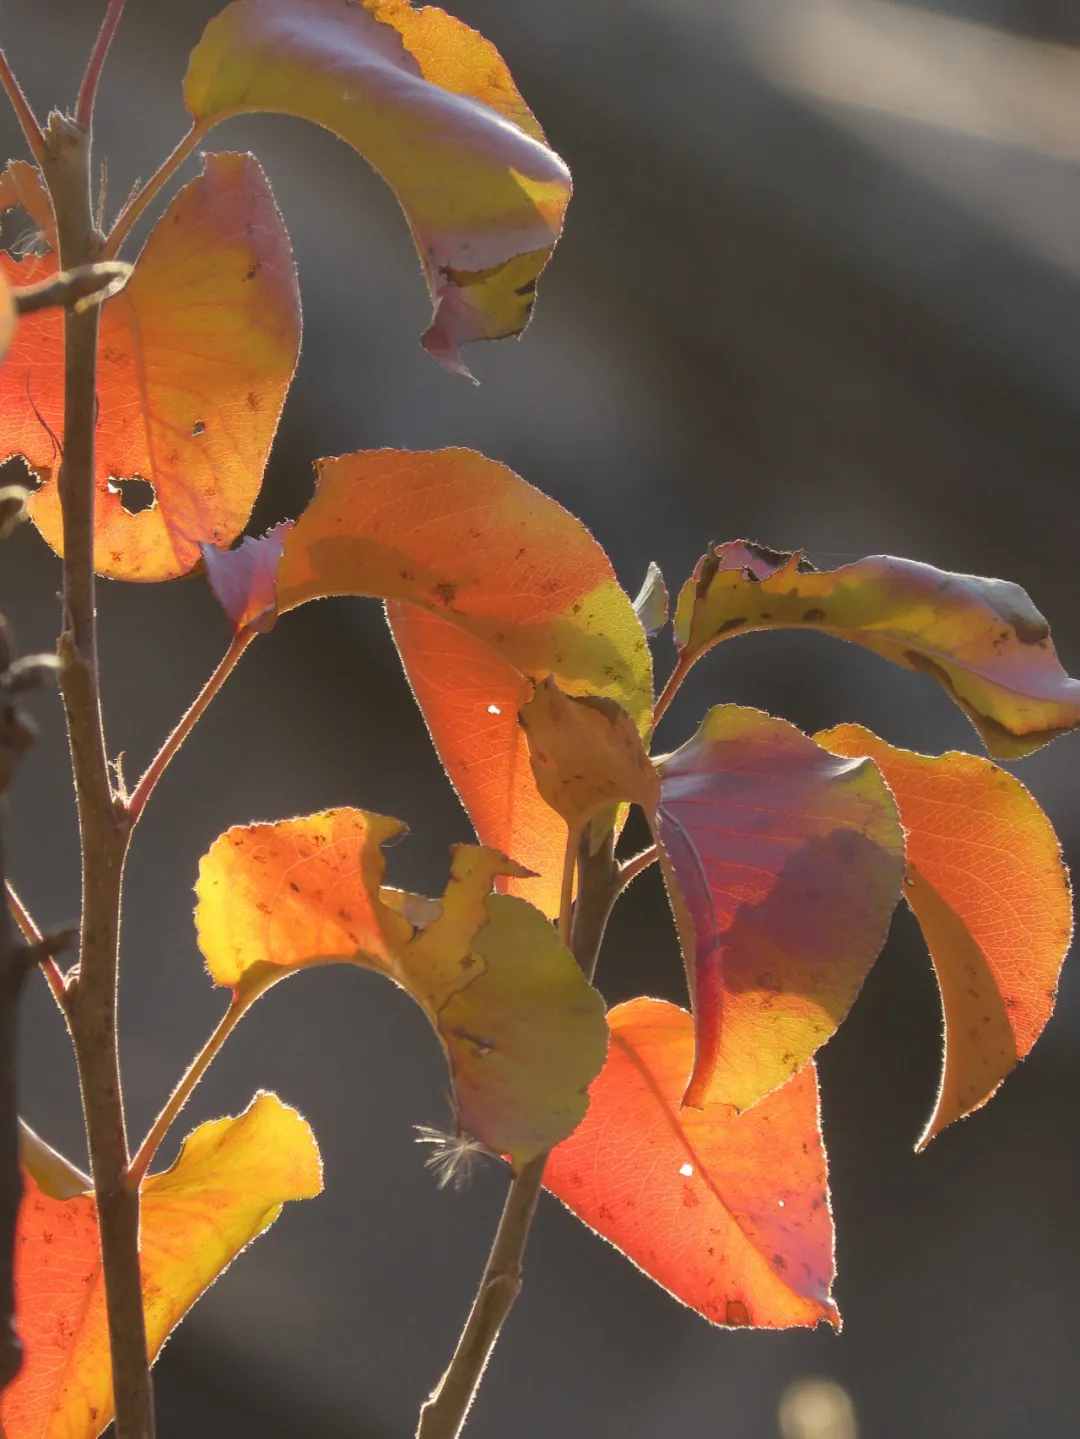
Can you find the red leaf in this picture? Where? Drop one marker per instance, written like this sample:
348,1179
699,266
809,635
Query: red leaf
729,1213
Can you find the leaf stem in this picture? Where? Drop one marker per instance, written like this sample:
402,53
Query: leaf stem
21,105
84,105
566,891
444,1414
631,868
161,761
678,674
54,976
104,828
183,1091
144,195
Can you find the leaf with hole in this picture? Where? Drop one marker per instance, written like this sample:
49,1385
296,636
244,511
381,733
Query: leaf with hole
982,639
432,106
988,885
522,1030
228,1185
195,357
730,1213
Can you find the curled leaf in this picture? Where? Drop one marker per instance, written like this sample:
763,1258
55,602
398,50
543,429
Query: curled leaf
981,639
987,883
195,357
228,1185
783,865
586,754
522,1030
431,105
730,1213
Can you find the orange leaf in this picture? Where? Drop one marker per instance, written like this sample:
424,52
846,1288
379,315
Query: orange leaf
227,1186
470,699
982,640
988,886
195,357
431,105
454,540
729,1213
783,866
522,1030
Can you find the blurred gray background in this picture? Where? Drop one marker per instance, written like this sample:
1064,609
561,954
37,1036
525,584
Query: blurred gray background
820,287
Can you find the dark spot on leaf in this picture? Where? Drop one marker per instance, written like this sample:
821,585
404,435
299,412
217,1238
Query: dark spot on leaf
198,427
254,270
736,1313
446,592
732,624
813,616
254,401
526,289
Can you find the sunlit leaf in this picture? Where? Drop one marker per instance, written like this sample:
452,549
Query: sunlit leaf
195,357
729,1213
431,105
988,886
523,1031
586,754
455,541
226,1187
783,865
981,639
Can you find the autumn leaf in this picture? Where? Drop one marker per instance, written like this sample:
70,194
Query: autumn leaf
457,542
522,1030
730,1213
431,105
987,883
586,755
195,357
981,639
226,1187
783,865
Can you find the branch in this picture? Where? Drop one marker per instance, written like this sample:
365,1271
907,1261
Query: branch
21,105
103,825
444,1414
84,105
75,290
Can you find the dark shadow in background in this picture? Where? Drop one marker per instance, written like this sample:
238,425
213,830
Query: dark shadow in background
820,286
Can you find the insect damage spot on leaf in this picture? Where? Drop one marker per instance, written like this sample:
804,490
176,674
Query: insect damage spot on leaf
136,494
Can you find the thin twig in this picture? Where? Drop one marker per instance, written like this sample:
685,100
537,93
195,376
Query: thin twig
183,1091
142,197
75,289
54,975
84,105
104,828
161,761
444,1414
35,138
